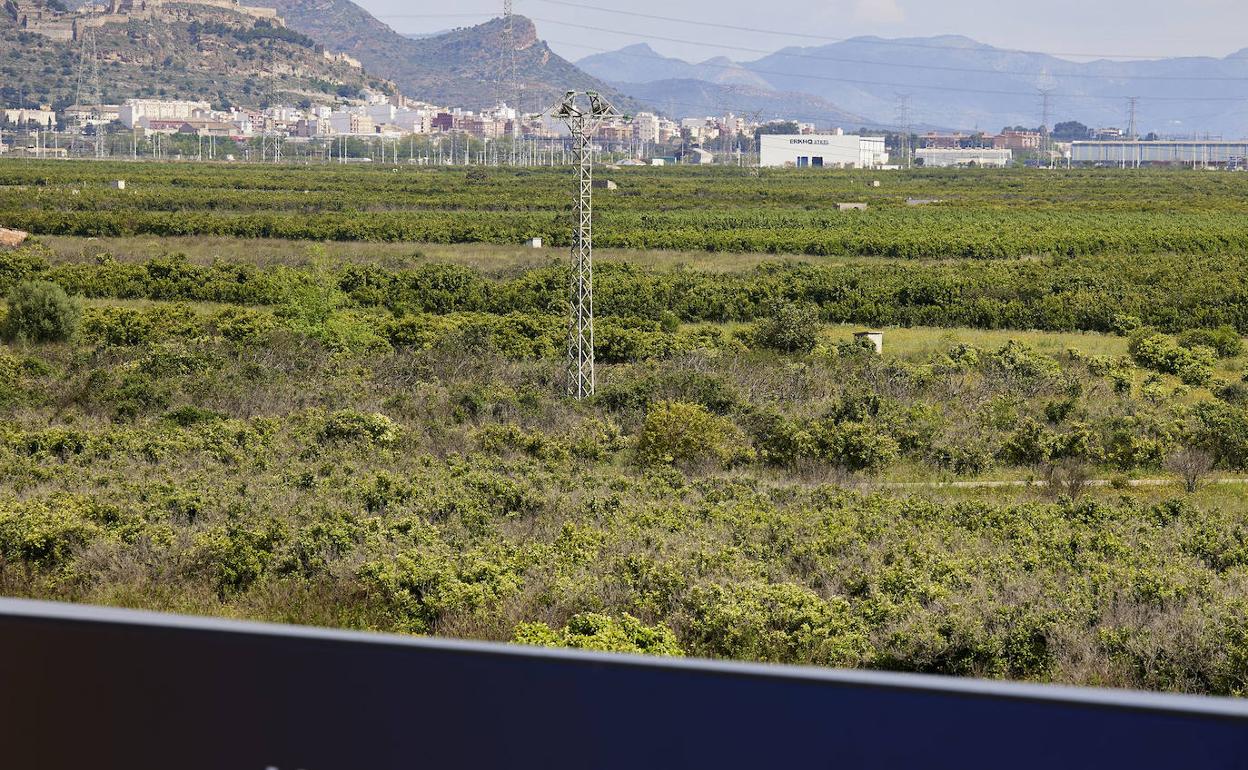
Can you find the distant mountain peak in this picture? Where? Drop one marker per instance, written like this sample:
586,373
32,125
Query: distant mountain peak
462,67
642,49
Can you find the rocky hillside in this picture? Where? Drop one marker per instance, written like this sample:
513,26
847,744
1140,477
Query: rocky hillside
461,67
189,51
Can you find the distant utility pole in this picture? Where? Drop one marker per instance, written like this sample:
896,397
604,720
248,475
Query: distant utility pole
509,82
582,121
88,86
1046,96
903,122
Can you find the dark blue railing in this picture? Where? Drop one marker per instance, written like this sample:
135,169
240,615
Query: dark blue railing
88,687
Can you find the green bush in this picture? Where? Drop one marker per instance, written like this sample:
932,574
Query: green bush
1224,340
40,311
1194,366
683,434
593,631
349,425
855,446
779,622
789,328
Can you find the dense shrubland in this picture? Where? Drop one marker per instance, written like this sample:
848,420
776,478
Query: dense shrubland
1170,294
387,447
390,450
981,215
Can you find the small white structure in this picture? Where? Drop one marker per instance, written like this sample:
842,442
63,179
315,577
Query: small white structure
985,157
118,184
821,151
604,184
851,206
534,243
658,161
701,157
876,338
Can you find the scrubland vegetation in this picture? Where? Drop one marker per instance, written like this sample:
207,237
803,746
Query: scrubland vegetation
384,444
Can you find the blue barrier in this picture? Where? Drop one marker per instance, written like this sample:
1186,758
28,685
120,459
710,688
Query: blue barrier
88,687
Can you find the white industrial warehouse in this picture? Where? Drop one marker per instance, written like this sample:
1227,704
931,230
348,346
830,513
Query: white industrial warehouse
984,157
821,151
1176,153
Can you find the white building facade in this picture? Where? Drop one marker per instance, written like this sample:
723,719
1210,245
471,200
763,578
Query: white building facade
1177,153
983,157
44,119
134,112
821,151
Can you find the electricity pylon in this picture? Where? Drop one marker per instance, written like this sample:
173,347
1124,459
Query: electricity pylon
582,121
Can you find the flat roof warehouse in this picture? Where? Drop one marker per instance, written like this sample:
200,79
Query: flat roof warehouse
822,151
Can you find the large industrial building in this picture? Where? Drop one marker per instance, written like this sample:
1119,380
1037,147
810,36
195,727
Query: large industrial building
1174,153
984,157
821,151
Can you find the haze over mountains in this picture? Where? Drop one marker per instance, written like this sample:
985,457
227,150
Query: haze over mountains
958,82
948,81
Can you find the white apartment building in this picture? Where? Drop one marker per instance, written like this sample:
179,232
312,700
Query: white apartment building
415,121
45,119
351,123
646,127
134,112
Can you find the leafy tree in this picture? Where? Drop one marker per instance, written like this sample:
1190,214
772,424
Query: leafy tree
1071,130
789,328
679,433
40,311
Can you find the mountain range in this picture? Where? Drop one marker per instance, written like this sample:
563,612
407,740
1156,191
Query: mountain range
459,67
186,51
959,82
946,81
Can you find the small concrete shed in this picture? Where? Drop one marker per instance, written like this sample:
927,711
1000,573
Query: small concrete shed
876,338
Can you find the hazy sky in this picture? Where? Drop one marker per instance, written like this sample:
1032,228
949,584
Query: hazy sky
1143,28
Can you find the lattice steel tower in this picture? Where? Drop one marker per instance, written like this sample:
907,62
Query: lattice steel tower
582,122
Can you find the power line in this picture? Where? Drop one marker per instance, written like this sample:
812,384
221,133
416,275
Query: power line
844,60
895,84
482,15
831,39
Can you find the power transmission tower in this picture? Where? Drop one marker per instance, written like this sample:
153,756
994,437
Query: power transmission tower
903,123
510,85
1046,97
1132,103
582,121
88,85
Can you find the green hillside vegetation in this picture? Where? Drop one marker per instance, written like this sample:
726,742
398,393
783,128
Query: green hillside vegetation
193,52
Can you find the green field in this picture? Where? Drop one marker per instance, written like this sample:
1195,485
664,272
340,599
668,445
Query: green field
981,214
1041,477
